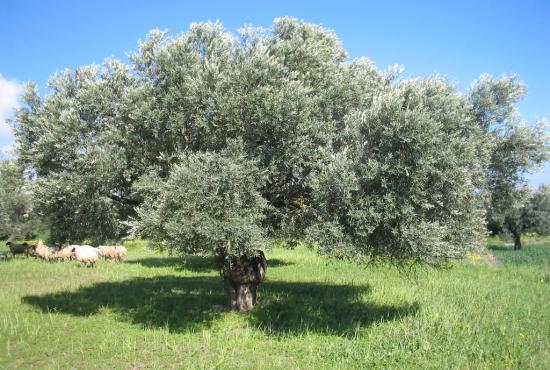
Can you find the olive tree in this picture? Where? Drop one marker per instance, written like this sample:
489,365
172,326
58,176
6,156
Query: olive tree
530,211
210,142
538,212
515,148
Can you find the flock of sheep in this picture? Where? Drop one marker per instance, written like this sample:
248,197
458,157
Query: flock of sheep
85,254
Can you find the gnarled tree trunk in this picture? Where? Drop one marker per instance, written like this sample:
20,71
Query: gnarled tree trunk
241,278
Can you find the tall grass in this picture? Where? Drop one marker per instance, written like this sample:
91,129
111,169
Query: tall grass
155,311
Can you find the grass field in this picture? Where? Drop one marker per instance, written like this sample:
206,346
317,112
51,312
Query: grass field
155,311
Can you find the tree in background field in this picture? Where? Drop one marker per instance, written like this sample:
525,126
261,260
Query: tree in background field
210,142
539,210
16,212
530,212
515,149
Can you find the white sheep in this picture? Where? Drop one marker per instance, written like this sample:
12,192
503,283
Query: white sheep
85,254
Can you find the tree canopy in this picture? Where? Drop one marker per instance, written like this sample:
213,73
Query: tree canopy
209,139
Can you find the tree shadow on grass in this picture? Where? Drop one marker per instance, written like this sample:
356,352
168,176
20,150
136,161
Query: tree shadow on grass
499,247
192,263
185,303
296,307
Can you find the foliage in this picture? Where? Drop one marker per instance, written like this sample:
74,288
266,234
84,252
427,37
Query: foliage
515,149
368,164
209,204
78,145
403,186
76,210
529,213
538,212
17,216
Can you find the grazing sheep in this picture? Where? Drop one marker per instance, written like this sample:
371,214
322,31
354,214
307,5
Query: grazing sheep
107,252
64,254
4,256
113,252
43,251
31,251
17,248
85,254
121,252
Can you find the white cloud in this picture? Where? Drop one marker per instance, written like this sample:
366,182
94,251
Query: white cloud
9,101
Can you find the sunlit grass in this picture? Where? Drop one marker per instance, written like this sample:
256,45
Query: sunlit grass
155,311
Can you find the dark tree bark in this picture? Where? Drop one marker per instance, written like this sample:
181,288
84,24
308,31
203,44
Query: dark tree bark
517,240
515,230
241,278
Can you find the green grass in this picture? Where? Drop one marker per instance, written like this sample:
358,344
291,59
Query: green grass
155,311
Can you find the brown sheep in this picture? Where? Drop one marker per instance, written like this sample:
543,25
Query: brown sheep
115,253
43,251
64,254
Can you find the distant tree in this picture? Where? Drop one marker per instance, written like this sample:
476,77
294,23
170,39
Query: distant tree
17,219
538,212
514,147
530,212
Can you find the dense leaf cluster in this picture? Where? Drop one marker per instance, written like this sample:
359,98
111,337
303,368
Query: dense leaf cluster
403,186
209,203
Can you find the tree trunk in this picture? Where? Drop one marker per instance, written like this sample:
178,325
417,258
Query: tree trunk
517,241
241,297
241,278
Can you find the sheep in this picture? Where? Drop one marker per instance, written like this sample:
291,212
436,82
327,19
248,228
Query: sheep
63,254
4,255
31,251
121,252
17,248
113,252
85,254
43,251
98,251
108,252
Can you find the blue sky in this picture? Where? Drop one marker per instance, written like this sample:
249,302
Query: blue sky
459,39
